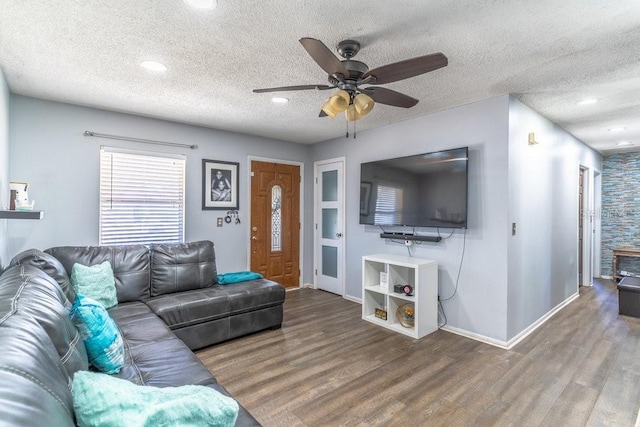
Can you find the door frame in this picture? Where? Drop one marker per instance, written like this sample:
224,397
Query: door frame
251,158
316,220
591,209
597,223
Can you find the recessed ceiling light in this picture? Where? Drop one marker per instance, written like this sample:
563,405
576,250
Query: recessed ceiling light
623,143
587,101
202,4
153,66
279,100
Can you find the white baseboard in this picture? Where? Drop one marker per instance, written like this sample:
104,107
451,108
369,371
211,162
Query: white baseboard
507,345
474,336
354,299
535,325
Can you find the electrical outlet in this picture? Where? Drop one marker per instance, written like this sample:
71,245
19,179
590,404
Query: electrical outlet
219,223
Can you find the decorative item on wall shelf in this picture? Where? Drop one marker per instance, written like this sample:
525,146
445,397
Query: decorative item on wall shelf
405,315
381,314
220,182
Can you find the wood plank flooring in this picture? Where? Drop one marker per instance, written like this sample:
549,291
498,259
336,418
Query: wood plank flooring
327,367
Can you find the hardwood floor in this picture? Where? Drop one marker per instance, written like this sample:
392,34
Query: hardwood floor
327,367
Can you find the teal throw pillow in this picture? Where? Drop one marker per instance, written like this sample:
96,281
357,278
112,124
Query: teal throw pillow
96,282
101,400
102,338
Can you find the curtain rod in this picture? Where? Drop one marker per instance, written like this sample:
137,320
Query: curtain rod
145,141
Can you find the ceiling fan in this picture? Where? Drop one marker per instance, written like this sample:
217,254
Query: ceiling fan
349,75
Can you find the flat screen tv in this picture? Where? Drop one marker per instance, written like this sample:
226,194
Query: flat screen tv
425,190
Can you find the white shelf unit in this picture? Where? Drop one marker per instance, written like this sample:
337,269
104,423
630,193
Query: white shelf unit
421,274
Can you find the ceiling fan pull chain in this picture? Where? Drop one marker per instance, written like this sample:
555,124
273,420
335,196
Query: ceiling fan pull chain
347,135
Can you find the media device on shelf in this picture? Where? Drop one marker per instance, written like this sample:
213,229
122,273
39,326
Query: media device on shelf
424,190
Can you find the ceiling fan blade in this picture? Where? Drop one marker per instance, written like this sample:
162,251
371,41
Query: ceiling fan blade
324,57
389,97
286,88
407,68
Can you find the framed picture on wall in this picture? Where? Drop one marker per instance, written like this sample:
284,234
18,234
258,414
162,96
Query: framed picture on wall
220,183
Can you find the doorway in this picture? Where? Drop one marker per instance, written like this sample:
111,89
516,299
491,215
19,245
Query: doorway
329,226
275,221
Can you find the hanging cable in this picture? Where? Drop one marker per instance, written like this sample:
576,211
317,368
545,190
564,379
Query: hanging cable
455,290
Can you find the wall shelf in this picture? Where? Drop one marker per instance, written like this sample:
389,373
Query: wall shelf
21,214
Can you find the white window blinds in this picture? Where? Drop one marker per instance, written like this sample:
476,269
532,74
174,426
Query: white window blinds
141,197
388,205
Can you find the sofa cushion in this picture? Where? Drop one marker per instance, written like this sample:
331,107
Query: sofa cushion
34,385
50,265
203,305
29,291
99,399
153,355
101,336
130,266
182,267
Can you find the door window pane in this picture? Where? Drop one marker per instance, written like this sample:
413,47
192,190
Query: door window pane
330,261
329,223
330,186
276,218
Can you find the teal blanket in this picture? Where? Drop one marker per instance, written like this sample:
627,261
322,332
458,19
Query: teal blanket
102,400
238,276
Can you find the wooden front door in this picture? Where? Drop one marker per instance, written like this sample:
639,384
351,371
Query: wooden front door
275,222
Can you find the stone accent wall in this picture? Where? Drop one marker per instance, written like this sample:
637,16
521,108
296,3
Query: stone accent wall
620,212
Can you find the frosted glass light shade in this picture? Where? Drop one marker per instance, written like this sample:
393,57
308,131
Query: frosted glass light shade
337,103
363,104
352,114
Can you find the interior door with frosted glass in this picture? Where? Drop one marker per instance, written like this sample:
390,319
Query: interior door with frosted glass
329,227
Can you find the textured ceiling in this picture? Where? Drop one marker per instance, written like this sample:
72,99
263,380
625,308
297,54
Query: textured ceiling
549,54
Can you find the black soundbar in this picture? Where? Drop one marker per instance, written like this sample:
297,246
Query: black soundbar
405,236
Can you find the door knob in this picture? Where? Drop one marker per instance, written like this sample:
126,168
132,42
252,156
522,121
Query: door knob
338,235
254,238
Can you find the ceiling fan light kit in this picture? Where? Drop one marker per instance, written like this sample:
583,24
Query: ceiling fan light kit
348,75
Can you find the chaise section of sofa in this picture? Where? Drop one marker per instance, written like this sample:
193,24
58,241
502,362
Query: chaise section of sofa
179,283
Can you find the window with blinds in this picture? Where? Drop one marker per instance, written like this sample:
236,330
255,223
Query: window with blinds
388,205
141,197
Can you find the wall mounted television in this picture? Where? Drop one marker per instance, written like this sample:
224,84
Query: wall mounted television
424,190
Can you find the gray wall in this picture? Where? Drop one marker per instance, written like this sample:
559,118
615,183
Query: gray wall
505,283
480,304
4,167
48,150
543,202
